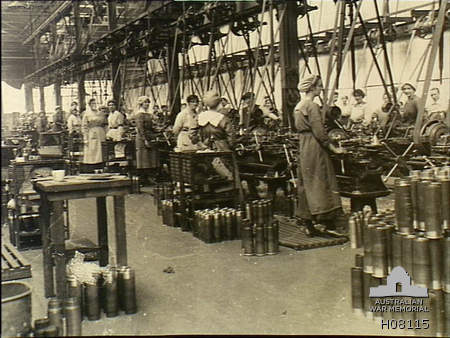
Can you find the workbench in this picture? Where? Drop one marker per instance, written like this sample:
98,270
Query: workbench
53,194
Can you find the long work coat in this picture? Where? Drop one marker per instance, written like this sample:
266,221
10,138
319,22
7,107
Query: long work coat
116,121
410,110
145,157
93,125
317,189
74,123
185,124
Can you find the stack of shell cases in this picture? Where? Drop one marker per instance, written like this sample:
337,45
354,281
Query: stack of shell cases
259,230
111,291
217,225
416,237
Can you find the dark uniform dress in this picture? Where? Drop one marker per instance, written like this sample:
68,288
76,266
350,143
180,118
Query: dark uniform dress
146,158
318,195
58,122
217,133
254,120
216,130
410,110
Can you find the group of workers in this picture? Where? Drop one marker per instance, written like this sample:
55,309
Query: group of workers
361,113
212,124
213,129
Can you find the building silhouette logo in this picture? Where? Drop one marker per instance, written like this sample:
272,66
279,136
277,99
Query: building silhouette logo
398,284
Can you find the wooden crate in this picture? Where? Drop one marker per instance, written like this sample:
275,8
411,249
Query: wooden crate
14,266
194,168
175,166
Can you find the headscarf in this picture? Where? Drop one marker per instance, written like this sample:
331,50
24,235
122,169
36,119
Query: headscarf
142,99
211,99
408,84
307,83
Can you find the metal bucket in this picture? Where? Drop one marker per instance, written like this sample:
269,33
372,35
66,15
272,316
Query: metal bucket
16,309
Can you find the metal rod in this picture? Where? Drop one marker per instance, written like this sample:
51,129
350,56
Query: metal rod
434,50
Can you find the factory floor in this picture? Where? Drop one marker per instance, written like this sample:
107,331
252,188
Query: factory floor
213,289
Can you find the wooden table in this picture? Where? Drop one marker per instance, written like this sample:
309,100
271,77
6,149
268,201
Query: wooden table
53,194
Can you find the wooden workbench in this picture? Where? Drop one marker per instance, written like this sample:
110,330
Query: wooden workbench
53,194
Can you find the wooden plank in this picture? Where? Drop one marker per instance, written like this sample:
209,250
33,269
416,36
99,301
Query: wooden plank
13,274
10,259
57,234
71,184
120,229
71,195
102,228
49,289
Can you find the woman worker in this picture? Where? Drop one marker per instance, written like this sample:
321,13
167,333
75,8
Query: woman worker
146,158
360,113
411,106
216,132
318,197
58,119
93,128
186,125
74,122
116,121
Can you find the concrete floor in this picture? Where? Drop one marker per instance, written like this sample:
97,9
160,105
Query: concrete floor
214,289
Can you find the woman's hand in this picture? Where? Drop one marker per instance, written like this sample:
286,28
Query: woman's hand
336,150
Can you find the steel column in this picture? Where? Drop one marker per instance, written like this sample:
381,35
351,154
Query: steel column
57,92
174,98
116,75
81,92
29,104
289,61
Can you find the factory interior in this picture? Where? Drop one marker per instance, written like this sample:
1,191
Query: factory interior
253,167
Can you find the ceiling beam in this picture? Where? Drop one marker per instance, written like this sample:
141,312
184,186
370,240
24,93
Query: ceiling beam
64,5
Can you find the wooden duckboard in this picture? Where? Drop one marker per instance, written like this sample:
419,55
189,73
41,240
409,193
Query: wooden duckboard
14,266
292,236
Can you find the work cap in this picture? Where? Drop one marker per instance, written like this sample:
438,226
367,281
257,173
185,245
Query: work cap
211,99
308,82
